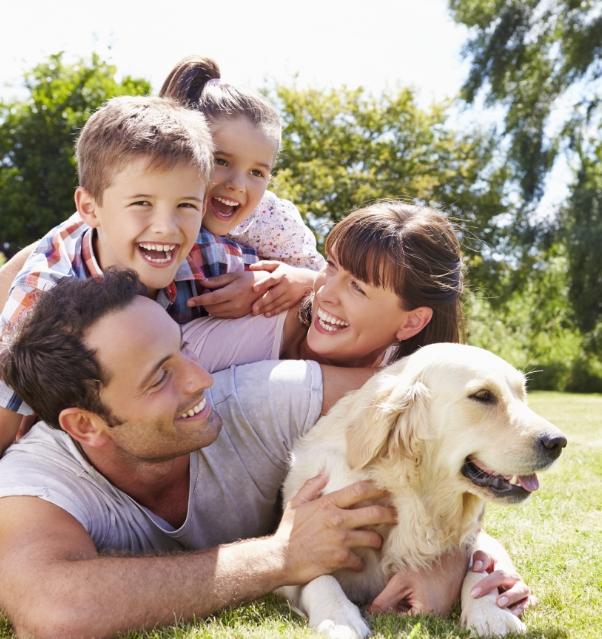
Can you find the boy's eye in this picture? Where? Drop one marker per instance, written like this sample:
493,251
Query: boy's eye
188,205
141,203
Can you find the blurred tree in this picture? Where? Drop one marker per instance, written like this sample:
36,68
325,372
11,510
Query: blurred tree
343,148
541,60
37,164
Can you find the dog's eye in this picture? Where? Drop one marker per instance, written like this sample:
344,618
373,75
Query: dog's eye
484,396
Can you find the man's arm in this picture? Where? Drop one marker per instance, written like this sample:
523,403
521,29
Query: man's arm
113,594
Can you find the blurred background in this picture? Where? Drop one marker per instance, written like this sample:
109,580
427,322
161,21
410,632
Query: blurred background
489,110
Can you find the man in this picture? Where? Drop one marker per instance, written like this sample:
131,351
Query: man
133,458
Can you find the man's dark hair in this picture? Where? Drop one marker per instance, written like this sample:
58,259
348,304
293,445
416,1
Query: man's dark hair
46,361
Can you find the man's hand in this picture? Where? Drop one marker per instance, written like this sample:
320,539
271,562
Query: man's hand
317,534
280,287
431,590
233,297
514,595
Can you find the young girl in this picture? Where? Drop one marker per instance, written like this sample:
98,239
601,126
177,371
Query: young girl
246,132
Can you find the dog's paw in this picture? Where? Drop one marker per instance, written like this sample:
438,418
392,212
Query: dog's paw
345,623
495,622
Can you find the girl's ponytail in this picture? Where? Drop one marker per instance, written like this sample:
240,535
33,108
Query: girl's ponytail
186,81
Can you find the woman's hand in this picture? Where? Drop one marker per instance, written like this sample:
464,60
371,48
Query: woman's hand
514,594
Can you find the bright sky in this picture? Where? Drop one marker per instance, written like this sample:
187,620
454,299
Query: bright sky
378,44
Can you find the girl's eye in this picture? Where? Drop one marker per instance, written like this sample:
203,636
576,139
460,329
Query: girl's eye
257,173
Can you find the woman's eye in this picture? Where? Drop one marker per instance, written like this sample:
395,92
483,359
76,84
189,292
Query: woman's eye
356,287
221,162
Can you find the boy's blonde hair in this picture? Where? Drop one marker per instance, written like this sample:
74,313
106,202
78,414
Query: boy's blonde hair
128,127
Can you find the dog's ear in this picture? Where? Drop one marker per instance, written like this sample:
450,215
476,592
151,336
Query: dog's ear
391,424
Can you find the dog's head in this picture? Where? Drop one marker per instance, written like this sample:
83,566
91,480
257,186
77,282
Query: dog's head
459,413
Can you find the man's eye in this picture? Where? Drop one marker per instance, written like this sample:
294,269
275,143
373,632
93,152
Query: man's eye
160,381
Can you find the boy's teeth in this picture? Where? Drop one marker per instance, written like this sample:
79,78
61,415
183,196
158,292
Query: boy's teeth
157,247
195,410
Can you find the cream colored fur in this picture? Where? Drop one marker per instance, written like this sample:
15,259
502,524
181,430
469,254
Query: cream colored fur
409,429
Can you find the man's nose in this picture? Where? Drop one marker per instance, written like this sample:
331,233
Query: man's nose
196,378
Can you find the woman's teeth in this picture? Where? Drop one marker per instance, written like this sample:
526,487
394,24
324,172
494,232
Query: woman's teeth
195,410
157,253
329,322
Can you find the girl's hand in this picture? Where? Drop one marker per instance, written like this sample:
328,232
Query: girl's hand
280,287
514,594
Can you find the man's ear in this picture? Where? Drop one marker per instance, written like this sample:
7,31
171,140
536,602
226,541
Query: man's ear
415,321
84,426
86,206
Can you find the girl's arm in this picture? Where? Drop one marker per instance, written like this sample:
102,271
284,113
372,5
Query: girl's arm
9,271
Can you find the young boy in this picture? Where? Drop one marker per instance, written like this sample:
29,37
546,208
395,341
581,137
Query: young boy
144,166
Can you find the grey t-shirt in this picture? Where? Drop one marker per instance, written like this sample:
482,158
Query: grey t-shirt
234,482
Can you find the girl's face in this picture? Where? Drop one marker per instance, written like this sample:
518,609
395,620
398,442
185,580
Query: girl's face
353,322
244,155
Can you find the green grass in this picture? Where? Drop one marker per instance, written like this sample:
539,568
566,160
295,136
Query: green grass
555,539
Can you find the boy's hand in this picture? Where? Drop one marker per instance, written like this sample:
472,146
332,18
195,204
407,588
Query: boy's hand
233,297
281,286
317,534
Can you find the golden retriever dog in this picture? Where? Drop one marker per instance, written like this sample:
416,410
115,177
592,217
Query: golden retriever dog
442,430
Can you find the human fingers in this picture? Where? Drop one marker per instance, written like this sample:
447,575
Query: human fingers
514,595
482,561
221,280
310,490
363,539
355,493
272,302
209,299
373,515
520,607
264,265
266,283
493,581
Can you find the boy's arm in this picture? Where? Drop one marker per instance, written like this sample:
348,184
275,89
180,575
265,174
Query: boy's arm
9,271
316,536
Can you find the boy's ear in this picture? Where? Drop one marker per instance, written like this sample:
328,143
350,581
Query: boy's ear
84,426
86,206
415,321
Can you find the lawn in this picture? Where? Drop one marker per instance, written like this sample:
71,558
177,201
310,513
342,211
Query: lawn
555,539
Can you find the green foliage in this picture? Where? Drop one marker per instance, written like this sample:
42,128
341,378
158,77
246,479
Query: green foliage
533,56
37,165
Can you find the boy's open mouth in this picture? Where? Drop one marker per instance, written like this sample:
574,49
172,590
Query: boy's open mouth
158,254
223,207
329,323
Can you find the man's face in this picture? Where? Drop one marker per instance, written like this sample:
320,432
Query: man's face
148,220
155,388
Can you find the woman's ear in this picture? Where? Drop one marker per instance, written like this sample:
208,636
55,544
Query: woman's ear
415,321
85,427
86,206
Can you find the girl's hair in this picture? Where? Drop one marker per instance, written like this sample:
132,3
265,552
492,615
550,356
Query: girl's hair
412,250
195,82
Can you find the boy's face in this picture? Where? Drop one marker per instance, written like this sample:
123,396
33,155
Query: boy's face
244,155
148,221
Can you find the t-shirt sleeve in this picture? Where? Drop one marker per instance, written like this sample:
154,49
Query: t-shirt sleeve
220,343
278,401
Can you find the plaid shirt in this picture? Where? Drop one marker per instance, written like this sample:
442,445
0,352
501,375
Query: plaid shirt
67,251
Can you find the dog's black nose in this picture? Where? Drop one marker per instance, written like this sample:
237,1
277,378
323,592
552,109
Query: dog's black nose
552,444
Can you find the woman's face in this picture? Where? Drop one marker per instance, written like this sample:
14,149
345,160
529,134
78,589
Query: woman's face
353,322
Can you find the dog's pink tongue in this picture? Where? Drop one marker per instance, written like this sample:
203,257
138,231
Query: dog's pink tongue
528,482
